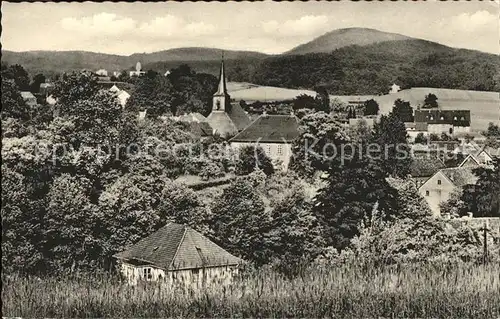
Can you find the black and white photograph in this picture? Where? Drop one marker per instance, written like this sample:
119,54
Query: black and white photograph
205,159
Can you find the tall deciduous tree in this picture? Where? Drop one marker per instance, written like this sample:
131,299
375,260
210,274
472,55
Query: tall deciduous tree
253,157
240,222
371,107
318,145
392,151
403,110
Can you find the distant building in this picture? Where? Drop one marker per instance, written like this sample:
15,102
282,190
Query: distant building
274,133
28,98
395,89
46,89
167,73
122,95
197,123
102,72
117,73
438,122
438,188
177,254
138,70
226,118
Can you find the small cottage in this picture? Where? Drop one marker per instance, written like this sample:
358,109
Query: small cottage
177,254
438,188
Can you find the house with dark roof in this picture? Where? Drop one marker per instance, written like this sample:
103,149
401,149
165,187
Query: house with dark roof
274,133
226,118
437,189
177,254
443,121
424,166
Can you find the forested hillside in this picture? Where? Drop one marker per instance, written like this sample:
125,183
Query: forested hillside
373,68
367,69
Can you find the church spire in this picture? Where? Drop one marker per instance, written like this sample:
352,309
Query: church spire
222,90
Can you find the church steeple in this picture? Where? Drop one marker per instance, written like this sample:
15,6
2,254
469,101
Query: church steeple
221,89
221,98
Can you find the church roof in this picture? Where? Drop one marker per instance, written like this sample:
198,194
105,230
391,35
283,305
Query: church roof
270,128
175,247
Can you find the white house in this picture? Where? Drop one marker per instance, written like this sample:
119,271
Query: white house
394,89
274,133
122,95
102,72
438,188
28,98
177,254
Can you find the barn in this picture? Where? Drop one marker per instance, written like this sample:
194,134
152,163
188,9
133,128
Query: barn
178,254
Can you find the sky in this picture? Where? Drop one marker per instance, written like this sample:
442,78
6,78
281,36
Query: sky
269,27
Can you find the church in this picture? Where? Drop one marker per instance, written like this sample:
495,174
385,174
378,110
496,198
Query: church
226,118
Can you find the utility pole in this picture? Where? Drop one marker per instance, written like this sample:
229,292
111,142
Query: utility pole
485,241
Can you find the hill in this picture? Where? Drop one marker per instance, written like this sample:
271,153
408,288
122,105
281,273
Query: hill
372,69
345,37
50,62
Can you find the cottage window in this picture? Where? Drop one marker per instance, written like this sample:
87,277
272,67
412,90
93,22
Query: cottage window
147,273
426,193
439,182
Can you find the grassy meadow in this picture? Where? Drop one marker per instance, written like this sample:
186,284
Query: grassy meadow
452,291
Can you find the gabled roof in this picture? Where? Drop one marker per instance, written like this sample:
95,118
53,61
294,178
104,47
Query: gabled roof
231,120
238,116
192,117
491,151
175,247
201,129
270,128
426,165
460,176
27,95
469,161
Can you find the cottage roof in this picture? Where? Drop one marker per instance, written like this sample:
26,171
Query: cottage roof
454,117
426,165
491,151
460,176
175,247
270,128
27,95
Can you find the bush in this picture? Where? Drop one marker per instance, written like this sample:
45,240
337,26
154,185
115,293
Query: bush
251,158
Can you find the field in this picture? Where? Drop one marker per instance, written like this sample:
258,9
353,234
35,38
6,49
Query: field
446,291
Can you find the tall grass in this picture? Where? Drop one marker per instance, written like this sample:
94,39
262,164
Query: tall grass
456,291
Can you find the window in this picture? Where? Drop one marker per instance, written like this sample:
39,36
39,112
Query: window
147,273
426,193
280,149
439,182
217,104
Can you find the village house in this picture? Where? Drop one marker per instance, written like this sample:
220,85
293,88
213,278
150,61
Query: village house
437,189
226,118
122,95
483,157
424,166
197,124
274,133
28,98
439,121
177,254
102,72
